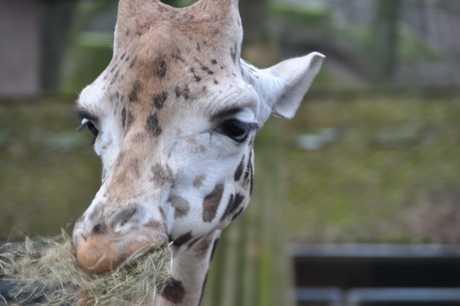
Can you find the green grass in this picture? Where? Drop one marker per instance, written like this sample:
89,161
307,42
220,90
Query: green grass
391,176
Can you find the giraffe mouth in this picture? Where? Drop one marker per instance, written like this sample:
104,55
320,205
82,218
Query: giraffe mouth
103,249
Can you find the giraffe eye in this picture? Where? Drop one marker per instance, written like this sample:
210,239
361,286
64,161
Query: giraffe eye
238,130
91,128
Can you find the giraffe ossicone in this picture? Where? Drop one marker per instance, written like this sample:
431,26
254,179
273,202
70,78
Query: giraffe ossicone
174,117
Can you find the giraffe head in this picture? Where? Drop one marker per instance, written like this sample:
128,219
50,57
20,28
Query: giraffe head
174,117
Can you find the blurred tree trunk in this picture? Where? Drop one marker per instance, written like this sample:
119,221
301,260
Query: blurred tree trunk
259,47
56,22
385,40
254,15
85,13
62,22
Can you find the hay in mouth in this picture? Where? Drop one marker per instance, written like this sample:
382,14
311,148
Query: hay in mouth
46,272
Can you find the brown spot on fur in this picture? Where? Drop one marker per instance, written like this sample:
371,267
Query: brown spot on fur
129,119
161,174
181,206
202,66
185,92
107,144
248,167
211,203
239,170
182,239
123,118
160,99
115,77
191,244
206,69
201,248
229,208
174,291
133,96
198,182
177,55
152,125
113,68
160,68
155,224
233,204
133,63
195,76
238,213
249,175
140,137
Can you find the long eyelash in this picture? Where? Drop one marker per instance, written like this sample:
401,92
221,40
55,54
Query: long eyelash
249,126
84,124
253,127
87,118
84,114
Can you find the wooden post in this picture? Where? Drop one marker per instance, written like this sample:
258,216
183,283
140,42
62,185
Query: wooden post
385,40
56,21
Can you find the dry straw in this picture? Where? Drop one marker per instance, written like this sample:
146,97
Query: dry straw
46,273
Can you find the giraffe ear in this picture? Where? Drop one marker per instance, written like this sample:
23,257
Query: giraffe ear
283,86
295,77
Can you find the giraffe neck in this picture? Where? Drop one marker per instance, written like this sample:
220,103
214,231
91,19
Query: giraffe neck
189,273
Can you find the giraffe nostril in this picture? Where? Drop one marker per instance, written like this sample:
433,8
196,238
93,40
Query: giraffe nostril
99,229
123,218
125,221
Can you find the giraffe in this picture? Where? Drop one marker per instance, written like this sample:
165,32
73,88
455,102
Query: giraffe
174,117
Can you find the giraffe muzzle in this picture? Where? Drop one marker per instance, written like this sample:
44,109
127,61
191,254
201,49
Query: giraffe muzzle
105,247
